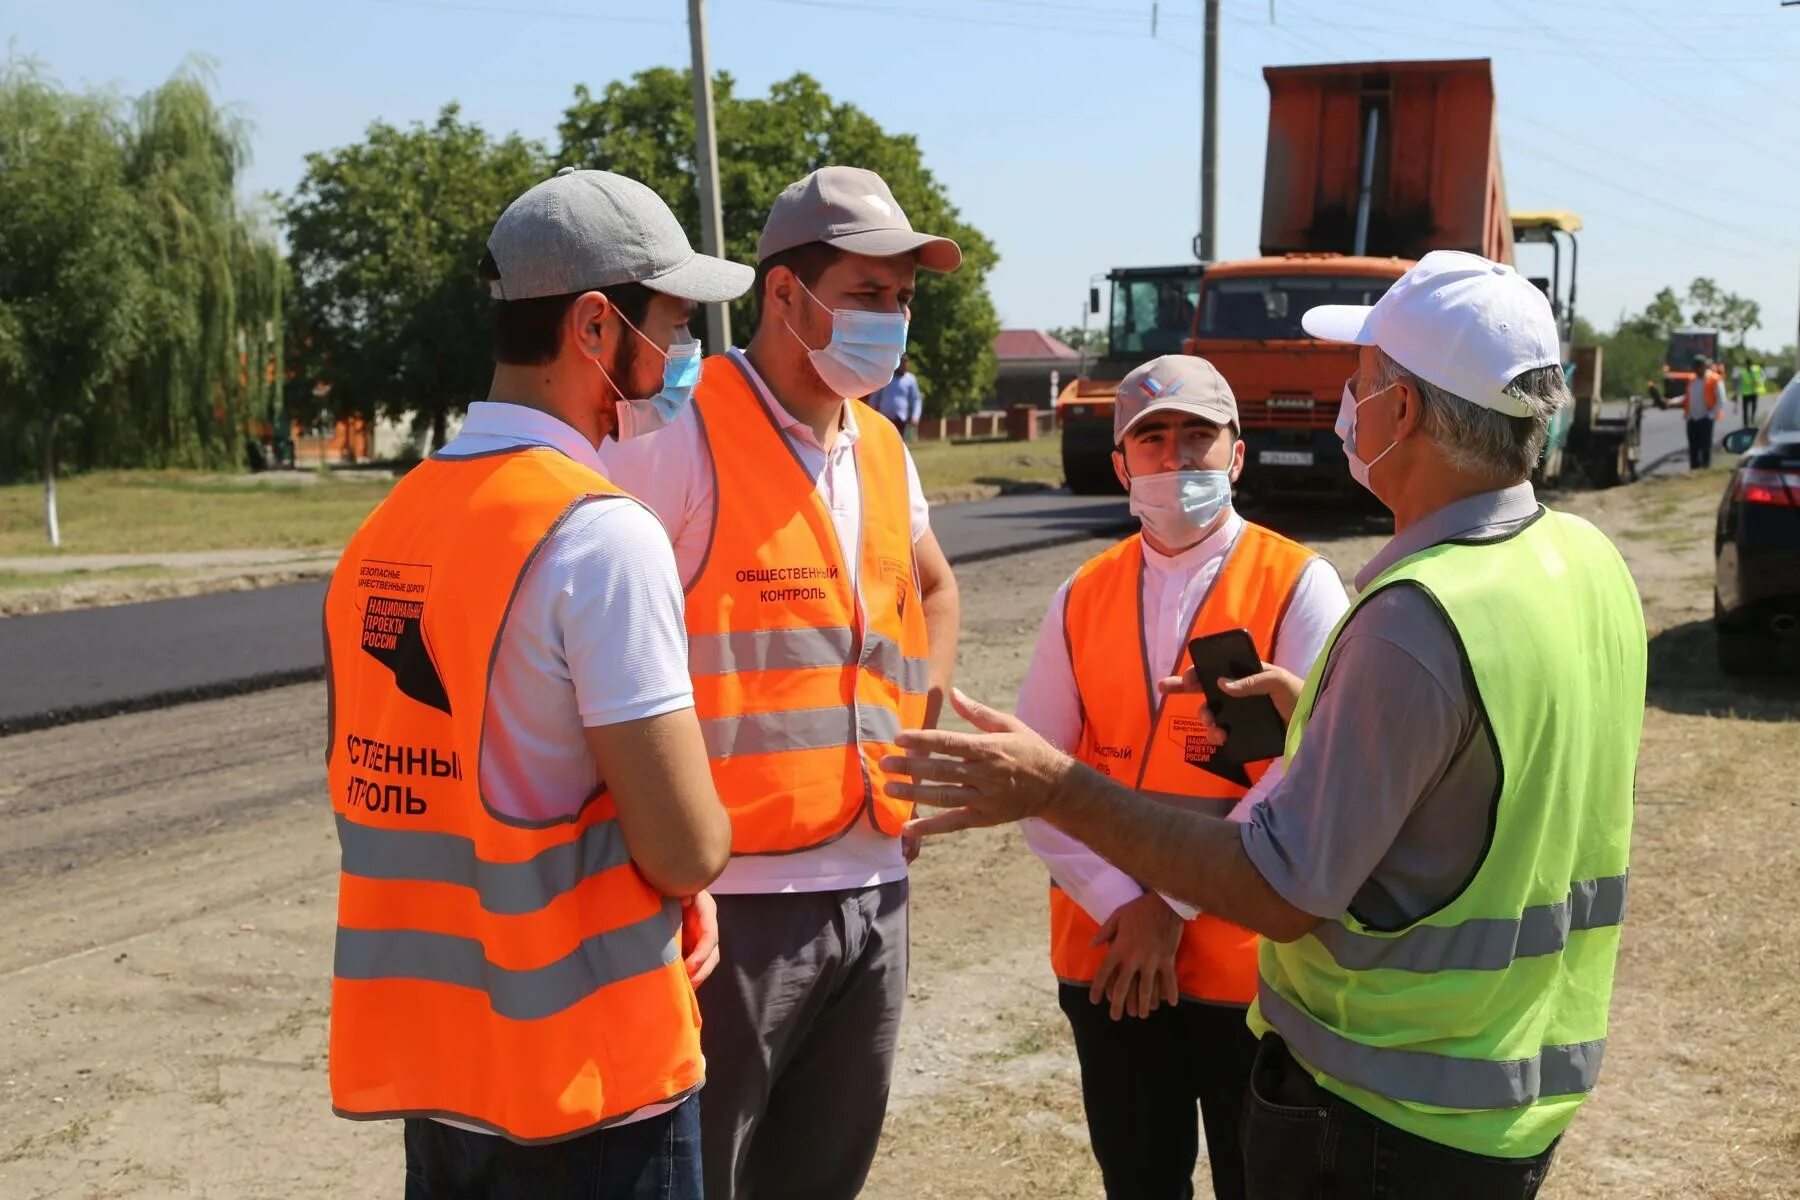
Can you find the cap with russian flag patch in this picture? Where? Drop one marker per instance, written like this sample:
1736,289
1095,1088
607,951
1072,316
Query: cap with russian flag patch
1174,383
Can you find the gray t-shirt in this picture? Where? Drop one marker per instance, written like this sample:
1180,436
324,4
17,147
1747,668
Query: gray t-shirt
1388,808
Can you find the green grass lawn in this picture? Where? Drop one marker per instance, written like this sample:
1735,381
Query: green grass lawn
958,466
142,512
137,512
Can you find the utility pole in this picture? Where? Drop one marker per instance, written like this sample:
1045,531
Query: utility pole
706,171
1207,243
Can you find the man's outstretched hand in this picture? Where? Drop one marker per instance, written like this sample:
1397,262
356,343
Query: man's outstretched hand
1004,773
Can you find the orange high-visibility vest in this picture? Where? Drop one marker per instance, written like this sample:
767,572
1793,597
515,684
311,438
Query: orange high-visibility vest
517,975
800,688
1155,744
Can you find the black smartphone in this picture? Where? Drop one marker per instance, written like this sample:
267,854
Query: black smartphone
1254,730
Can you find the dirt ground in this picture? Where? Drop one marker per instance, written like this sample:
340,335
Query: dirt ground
169,879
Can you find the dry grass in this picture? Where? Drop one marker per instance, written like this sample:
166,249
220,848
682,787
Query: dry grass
1701,1092
32,581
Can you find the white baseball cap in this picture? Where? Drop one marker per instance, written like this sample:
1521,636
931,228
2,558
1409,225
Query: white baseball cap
1457,320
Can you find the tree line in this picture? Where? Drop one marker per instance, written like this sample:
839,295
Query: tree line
150,317
141,314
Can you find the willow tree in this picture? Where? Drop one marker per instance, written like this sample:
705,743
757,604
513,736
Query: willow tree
216,281
72,286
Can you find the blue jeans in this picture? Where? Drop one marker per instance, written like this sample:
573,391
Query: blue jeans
656,1159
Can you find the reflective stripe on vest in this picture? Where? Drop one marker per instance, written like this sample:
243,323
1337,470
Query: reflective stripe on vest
1156,744
1440,1080
1482,1025
807,662
482,960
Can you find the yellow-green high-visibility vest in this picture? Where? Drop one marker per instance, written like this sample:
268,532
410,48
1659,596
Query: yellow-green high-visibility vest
1482,1025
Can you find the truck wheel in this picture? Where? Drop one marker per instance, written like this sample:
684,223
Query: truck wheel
1743,653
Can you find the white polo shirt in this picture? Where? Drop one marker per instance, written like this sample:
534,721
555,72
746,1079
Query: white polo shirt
671,471
595,636
1173,589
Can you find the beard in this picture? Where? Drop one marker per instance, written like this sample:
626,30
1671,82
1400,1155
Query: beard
611,397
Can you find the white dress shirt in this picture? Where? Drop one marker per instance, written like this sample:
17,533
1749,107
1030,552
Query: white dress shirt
671,471
1173,588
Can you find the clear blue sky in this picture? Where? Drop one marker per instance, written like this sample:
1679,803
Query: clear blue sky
1059,126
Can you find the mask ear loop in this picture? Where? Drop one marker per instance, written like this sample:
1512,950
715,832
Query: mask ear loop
1370,463
821,304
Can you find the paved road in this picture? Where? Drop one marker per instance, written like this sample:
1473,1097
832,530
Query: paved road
69,666
1664,450
60,667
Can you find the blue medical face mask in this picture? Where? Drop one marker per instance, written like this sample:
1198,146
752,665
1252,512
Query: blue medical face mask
681,375
1175,506
864,351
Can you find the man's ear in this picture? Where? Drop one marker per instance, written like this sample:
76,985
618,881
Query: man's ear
1409,411
1237,459
1118,457
585,324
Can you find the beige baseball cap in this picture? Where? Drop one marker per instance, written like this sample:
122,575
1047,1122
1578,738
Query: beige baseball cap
1174,383
852,209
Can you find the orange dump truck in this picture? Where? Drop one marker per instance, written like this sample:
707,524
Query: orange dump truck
1370,165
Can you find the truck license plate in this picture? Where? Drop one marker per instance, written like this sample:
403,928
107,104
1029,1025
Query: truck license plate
1285,458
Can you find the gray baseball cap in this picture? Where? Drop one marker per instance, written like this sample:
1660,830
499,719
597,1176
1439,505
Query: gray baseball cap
584,230
1174,383
851,209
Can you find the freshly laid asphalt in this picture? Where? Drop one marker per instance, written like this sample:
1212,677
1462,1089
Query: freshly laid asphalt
71,666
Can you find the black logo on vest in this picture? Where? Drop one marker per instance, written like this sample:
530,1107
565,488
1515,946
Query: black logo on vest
1203,745
393,628
899,575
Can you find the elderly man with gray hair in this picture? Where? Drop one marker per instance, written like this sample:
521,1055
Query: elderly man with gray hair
1440,876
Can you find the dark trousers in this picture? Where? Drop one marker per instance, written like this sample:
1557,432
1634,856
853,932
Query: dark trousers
1300,1140
900,423
654,1159
799,1025
1140,1081
1747,407
1700,441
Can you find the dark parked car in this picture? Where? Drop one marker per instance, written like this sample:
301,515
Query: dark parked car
1756,591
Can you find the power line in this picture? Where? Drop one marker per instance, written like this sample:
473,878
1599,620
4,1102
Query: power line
515,11
945,16
1650,170
1760,86
1691,113
1758,235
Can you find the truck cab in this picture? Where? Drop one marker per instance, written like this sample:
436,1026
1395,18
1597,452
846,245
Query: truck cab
1678,363
1287,384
